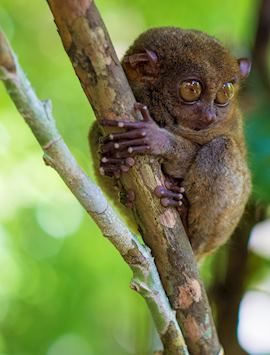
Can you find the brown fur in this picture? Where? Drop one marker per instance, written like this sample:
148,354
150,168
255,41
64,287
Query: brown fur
209,158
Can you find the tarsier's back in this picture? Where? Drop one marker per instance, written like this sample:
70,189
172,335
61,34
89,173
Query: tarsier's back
189,83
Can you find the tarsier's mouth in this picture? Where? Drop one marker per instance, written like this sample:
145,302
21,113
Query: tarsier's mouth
199,126
177,121
203,125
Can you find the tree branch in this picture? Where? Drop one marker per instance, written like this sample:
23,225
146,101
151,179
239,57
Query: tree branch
88,45
261,43
38,115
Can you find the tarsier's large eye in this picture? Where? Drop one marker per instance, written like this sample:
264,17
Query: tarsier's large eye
190,90
225,94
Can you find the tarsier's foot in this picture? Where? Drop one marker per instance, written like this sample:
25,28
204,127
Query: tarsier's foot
173,195
170,196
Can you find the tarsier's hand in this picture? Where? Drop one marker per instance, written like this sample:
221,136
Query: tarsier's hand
143,137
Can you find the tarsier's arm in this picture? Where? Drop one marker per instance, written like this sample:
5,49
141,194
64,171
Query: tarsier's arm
144,137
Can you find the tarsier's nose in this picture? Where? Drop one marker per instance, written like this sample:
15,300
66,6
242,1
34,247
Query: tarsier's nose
208,116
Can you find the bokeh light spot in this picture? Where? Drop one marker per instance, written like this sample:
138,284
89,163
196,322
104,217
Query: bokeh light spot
253,329
4,139
10,275
60,216
259,241
70,344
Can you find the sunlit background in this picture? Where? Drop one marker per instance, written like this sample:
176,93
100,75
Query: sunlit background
64,290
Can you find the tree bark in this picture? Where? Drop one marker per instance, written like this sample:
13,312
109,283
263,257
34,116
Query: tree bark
88,45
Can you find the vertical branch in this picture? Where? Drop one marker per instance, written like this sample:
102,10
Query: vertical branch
92,55
261,43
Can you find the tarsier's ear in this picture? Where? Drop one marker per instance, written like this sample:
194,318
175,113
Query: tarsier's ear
244,66
141,66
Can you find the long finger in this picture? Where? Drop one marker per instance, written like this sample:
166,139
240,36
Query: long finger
139,150
135,133
113,146
144,111
122,124
118,161
145,149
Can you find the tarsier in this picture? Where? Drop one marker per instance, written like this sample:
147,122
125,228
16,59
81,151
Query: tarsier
186,84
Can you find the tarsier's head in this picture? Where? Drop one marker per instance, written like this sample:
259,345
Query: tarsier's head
186,77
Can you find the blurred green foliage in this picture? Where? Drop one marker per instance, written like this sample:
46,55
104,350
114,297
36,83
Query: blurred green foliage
258,138
63,287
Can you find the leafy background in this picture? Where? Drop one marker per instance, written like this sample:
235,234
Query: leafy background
63,287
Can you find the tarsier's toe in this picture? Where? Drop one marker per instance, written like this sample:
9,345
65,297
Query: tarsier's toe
172,195
163,192
169,198
170,202
174,187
